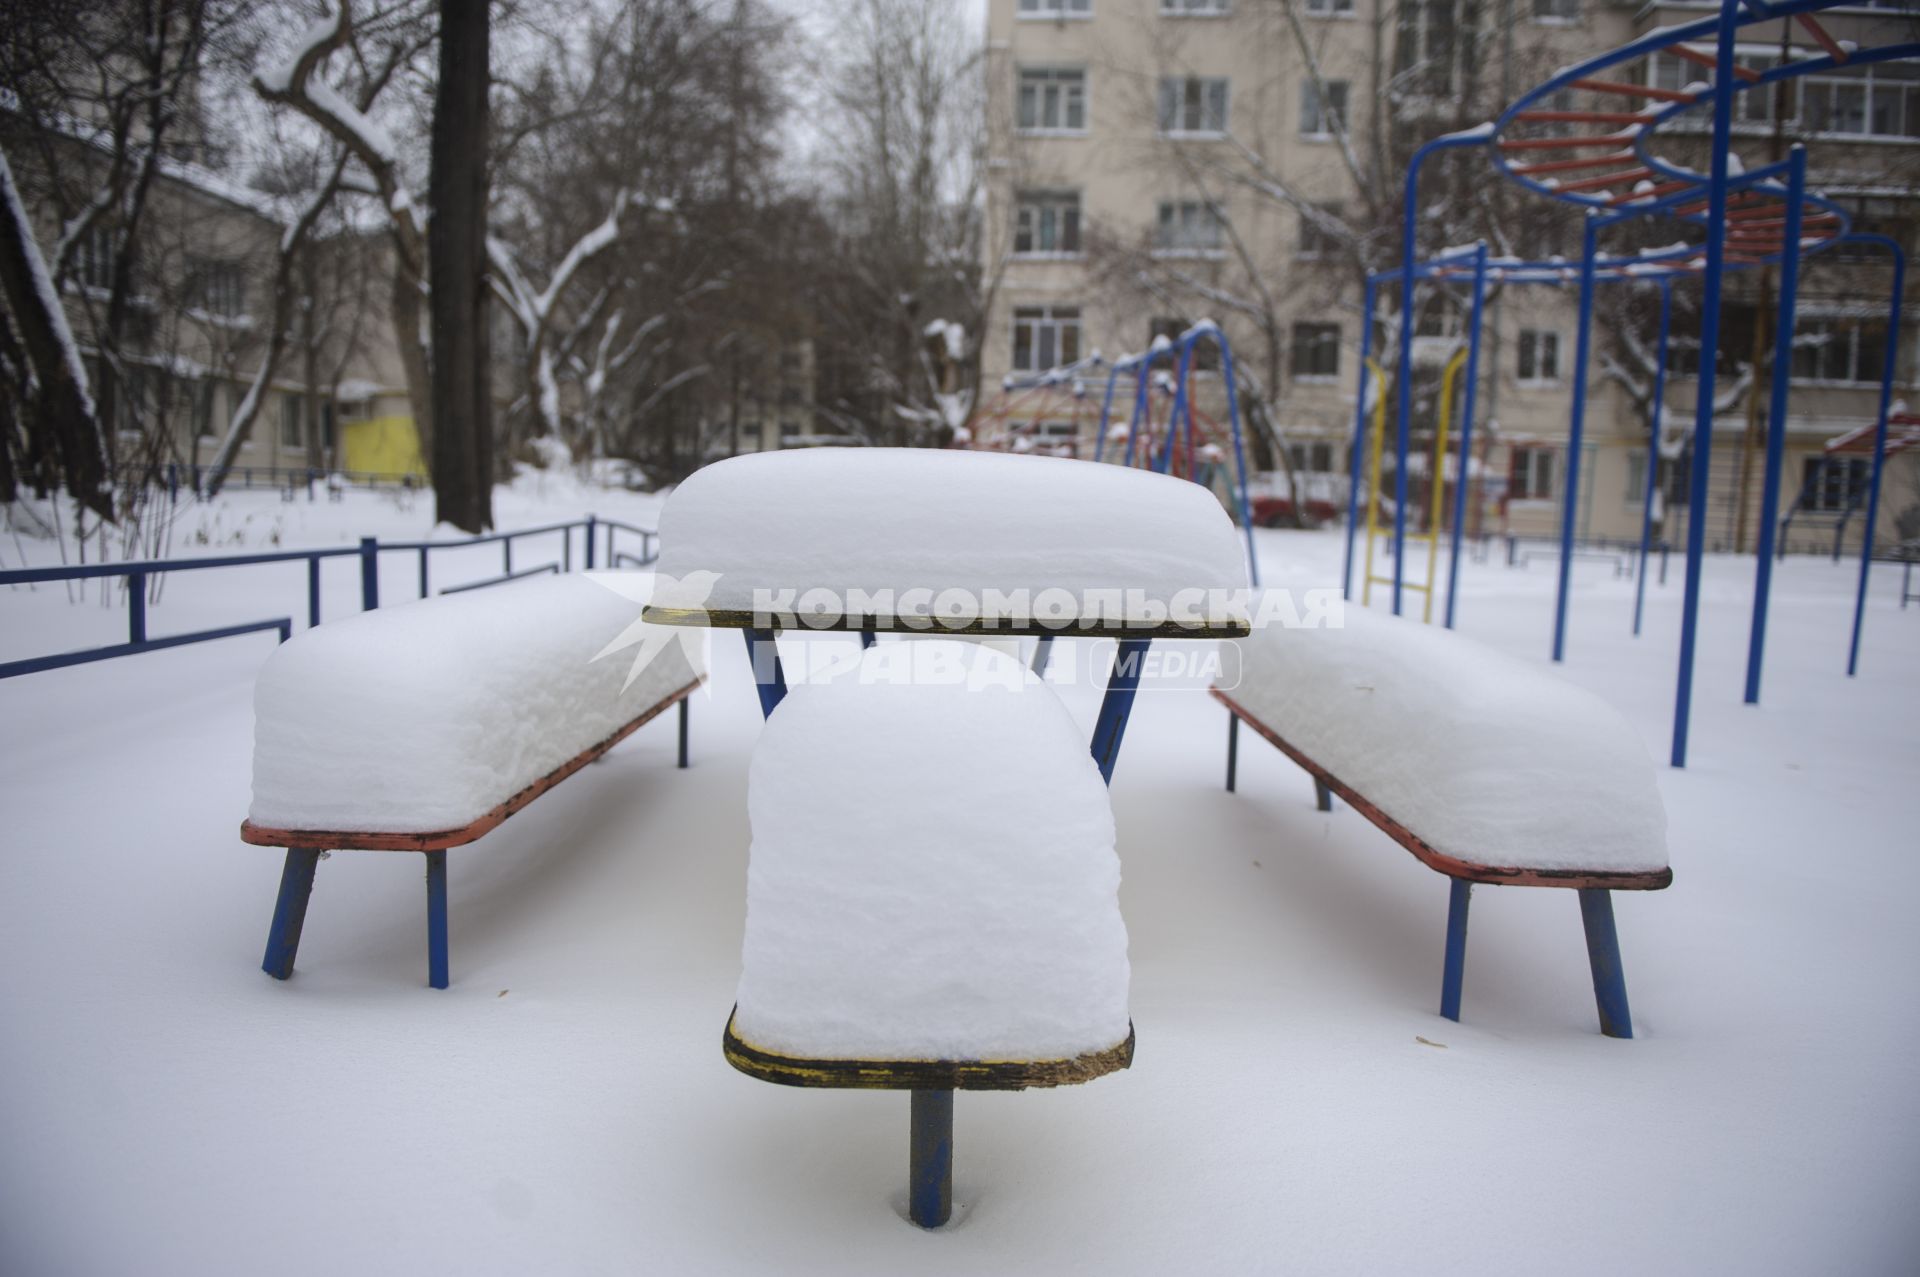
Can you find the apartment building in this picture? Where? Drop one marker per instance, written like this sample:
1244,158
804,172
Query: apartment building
1156,161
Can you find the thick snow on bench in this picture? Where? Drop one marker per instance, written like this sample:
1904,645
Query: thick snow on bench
425,716
933,873
1481,756
906,519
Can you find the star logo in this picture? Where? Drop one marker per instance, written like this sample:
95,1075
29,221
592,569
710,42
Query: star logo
690,591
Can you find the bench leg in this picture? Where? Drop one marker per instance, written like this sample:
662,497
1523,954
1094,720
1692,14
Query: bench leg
1453,974
290,912
683,731
437,919
1233,748
930,1161
1322,796
1603,955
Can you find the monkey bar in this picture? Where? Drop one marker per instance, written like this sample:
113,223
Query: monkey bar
1733,217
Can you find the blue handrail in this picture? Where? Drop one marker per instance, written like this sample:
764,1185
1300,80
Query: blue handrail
137,572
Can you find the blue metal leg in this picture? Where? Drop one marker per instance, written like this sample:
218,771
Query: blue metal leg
1603,954
1042,655
437,919
1233,749
930,1164
1117,704
289,912
866,639
1322,796
771,682
1455,970
683,731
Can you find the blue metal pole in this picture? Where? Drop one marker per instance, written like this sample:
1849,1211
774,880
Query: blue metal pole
590,527
684,702
1358,449
1142,378
1409,255
1656,417
437,974
771,682
369,574
930,1159
1879,449
423,571
1453,973
1239,452
1180,406
1117,704
1777,419
1576,436
1715,226
290,911
136,607
1106,412
1461,484
1603,956
313,591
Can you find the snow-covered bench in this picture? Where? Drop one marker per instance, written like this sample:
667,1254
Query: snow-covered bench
1486,769
932,888
422,727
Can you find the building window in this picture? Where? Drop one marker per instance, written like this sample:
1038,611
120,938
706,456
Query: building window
1312,458
1052,100
1330,8
1435,49
1206,351
93,257
1873,215
789,434
1316,351
1323,119
1556,11
1539,352
1045,337
1532,475
1056,8
291,434
1844,350
1833,483
1636,477
1193,104
1316,240
1188,226
218,288
1046,222
206,409
1881,100
1196,8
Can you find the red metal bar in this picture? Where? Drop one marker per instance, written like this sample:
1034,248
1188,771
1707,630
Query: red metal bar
1659,189
1604,180
1566,143
1834,48
1636,90
1706,60
1568,166
1583,117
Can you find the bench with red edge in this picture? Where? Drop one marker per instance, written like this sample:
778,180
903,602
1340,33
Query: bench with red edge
1488,770
425,727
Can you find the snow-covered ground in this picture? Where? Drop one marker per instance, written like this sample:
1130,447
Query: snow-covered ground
1295,1102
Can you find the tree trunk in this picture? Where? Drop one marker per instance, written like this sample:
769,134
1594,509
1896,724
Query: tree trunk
457,264
62,412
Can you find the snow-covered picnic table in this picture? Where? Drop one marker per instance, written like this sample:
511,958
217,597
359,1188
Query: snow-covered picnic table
932,896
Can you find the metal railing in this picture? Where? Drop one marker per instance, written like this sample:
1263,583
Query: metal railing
138,574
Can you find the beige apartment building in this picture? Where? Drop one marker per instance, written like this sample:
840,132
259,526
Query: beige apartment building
1145,153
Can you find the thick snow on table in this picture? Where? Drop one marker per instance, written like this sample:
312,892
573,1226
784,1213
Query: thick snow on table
1484,757
913,519
933,873
427,715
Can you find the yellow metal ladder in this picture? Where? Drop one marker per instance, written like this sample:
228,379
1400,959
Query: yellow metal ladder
1432,535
